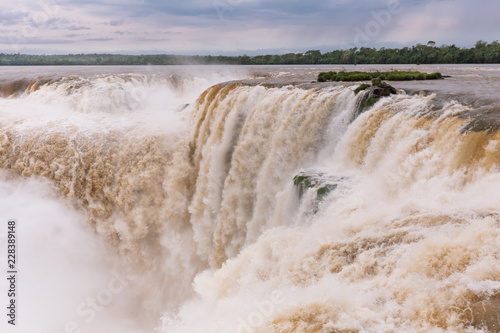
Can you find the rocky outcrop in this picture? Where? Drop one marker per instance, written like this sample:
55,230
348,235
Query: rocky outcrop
381,89
319,182
371,95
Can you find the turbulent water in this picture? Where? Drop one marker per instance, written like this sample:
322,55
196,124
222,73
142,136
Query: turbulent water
177,185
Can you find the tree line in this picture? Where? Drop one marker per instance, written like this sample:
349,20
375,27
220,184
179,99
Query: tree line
429,53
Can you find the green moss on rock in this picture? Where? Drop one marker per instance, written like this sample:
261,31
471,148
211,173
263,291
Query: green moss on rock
320,182
361,87
371,100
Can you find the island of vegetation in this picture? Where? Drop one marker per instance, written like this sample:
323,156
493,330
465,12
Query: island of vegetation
429,53
379,76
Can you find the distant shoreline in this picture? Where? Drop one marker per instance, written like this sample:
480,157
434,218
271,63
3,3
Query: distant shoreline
429,54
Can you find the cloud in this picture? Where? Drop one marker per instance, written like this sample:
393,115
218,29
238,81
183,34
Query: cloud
7,40
144,39
182,8
116,23
51,23
104,39
9,18
227,25
77,27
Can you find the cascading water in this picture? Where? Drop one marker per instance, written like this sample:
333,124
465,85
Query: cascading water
393,227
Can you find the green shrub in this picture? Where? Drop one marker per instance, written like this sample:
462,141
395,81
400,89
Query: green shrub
394,77
361,87
434,76
365,76
357,76
376,81
421,76
330,75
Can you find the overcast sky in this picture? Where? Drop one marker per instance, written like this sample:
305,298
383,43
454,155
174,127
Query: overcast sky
239,26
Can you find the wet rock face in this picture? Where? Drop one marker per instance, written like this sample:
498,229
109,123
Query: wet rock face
320,182
371,96
381,89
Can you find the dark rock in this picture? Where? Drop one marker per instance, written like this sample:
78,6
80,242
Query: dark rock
381,89
320,182
182,107
371,95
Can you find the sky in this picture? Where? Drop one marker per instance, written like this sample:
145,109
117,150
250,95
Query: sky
236,27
